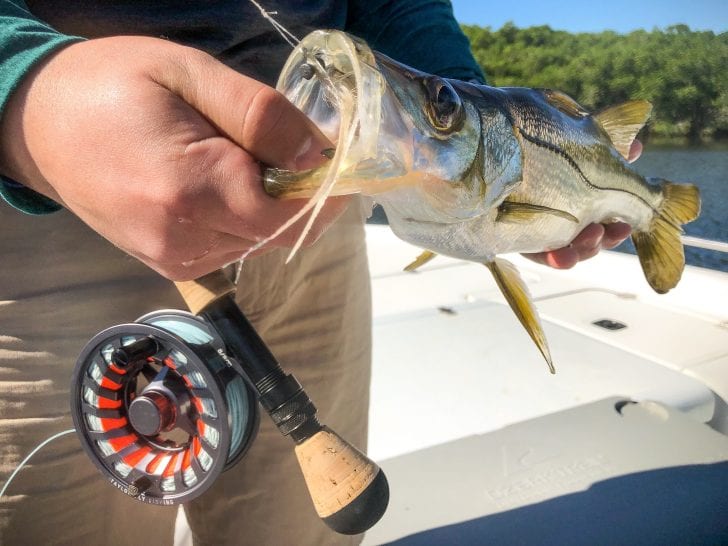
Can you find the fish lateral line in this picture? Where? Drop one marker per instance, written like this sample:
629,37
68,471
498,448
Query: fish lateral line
555,149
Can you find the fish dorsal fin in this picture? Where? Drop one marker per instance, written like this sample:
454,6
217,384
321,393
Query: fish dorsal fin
518,297
421,260
623,122
565,103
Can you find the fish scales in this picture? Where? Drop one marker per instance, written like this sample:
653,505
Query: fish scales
472,171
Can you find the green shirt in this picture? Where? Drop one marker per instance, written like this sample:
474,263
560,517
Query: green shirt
420,33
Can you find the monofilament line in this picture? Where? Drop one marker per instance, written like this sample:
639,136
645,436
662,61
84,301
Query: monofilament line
283,31
292,40
36,450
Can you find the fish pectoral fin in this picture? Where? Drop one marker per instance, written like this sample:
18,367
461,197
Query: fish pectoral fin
421,260
512,211
623,122
660,248
518,297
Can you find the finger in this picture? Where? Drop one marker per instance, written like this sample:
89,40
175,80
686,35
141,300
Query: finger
615,233
254,115
278,214
584,246
563,258
589,238
635,151
178,256
238,204
194,269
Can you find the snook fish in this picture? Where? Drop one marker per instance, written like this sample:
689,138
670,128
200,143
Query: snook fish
472,171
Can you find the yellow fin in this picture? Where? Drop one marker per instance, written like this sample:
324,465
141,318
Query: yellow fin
623,122
512,211
516,293
660,249
565,103
421,260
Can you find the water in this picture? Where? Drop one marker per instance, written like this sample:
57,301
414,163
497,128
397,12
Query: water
705,167
708,169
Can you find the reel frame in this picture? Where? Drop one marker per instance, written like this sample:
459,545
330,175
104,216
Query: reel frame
163,426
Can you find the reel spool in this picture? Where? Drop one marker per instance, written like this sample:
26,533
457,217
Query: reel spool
160,407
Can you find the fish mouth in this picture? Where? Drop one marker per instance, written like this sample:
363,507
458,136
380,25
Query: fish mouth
336,80
330,74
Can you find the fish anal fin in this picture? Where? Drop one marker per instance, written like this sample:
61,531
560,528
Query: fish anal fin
659,248
518,297
513,211
623,122
421,260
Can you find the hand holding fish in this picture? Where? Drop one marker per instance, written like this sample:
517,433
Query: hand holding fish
473,172
592,239
157,148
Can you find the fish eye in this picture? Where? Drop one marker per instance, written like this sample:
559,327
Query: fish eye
444,107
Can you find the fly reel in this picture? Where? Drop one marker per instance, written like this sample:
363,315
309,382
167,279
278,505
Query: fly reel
161,408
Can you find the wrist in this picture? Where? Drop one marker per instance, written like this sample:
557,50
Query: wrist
21,182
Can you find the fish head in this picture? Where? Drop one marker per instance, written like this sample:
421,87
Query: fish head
420,144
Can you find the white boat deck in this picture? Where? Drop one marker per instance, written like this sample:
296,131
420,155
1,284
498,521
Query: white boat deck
482,445
454,373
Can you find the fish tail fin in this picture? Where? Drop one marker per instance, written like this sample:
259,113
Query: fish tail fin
659,248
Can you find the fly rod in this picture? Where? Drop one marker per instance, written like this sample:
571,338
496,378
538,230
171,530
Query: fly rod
349,491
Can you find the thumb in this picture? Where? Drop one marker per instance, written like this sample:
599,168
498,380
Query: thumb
254,115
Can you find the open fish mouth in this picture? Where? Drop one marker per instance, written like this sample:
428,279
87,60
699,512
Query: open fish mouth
337,81
471,171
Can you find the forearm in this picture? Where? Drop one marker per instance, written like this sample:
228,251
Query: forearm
24,42
421,33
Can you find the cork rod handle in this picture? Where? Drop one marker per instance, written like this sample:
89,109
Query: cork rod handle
203,292
348,490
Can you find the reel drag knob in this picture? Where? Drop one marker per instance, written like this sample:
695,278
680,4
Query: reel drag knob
152,413
160,408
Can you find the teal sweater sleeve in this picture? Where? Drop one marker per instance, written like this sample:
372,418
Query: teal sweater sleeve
24,41
420,33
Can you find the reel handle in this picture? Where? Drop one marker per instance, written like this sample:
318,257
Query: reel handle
349,491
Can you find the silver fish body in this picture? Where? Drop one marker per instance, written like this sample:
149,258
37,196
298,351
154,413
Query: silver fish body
472,171
531,152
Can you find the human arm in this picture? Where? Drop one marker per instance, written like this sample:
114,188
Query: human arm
157,146
24,42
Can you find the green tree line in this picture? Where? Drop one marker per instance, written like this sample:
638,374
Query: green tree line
683,73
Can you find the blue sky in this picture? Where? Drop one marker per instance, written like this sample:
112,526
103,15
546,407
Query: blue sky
596,15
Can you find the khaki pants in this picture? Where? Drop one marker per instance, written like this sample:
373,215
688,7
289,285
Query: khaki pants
60,284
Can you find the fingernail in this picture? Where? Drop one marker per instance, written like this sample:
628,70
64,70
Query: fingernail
311,155
301,154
